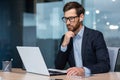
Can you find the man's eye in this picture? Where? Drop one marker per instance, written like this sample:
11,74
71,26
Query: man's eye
71,18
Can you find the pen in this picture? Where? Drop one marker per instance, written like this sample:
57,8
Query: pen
8,65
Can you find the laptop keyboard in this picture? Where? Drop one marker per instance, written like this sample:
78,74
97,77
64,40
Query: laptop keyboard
56,72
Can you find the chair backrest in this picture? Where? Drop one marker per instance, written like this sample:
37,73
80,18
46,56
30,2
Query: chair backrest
113,55
117,65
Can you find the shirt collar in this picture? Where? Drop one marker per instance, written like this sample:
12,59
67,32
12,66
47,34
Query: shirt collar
80,33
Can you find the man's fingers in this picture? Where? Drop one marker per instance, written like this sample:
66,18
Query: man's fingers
71,73
75,71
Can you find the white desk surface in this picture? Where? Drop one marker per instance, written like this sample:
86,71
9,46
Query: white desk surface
18,74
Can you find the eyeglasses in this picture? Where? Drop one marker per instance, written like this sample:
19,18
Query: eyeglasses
71,19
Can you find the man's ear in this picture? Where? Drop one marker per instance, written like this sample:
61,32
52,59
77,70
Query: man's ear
81,17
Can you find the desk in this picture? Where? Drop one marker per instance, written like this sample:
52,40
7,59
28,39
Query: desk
18,74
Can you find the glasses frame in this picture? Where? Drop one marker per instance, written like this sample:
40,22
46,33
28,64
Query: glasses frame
71,19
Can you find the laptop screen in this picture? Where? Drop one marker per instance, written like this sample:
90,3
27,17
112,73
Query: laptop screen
33,60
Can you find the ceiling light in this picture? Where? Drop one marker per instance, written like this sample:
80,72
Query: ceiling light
107,23
97,11
113,27
87,12
113,0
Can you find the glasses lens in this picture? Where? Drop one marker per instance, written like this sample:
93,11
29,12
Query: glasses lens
64,19
71,19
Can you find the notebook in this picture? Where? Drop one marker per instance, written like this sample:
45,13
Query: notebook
34,62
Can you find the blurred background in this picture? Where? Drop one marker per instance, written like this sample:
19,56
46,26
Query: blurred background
39,23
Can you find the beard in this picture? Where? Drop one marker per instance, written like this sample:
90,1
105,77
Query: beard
72,27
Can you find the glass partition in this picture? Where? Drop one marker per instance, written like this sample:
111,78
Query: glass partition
103,15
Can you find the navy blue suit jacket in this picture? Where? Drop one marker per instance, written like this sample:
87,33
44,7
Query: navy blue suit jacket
94,53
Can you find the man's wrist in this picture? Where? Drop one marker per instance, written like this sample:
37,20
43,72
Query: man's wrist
63,49
87,72
63,45
83,71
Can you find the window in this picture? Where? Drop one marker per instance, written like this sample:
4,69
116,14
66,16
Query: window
103,15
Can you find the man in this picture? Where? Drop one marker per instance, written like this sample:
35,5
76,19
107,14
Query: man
82,48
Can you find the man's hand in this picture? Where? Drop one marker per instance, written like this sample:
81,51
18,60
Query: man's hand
67,37
75,71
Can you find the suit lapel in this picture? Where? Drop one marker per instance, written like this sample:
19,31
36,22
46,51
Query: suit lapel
85,35
72,54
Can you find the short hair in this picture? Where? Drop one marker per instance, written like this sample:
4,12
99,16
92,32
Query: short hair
74,5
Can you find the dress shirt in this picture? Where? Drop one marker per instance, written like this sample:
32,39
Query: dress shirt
77,43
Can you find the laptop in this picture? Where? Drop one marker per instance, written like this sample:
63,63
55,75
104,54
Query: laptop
34,62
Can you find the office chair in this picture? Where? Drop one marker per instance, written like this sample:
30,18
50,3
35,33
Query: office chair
117,65
114,55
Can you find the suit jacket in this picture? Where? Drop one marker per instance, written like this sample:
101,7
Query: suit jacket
94,53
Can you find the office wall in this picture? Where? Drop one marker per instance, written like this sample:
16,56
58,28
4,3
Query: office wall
4,29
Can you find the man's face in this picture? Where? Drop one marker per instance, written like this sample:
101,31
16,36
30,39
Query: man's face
72,20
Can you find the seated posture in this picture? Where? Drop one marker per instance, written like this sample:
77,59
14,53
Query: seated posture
82,48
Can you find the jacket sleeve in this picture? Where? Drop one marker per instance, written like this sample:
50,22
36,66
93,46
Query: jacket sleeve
62,58
102,57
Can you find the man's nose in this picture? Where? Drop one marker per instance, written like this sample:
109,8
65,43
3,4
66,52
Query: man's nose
68,21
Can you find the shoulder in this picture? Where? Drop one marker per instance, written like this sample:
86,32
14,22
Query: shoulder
92,31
